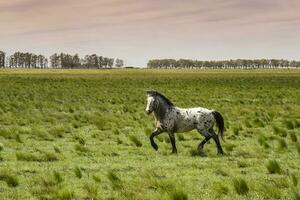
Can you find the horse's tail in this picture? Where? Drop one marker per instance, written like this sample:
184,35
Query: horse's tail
220,123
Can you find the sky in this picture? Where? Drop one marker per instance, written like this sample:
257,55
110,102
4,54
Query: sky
139,30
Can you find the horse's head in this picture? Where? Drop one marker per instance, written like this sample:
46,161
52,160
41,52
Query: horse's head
151,102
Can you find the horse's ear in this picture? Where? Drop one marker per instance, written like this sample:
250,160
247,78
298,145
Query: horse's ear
150,92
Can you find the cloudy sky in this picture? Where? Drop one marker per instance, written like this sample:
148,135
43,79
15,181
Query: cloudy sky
138,30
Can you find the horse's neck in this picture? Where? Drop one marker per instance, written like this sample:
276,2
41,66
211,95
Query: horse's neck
161,111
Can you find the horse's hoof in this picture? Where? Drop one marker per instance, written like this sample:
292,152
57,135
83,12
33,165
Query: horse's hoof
155,147
202,154
221,153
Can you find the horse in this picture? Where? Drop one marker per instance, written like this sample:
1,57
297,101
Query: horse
172,119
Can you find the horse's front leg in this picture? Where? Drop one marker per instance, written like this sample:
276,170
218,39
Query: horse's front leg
153,134
172,139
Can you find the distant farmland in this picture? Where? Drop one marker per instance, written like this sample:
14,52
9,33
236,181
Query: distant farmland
83,134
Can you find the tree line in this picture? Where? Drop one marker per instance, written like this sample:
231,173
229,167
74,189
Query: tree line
223,64
62,60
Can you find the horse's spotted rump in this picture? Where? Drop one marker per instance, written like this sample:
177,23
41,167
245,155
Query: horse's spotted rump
172,119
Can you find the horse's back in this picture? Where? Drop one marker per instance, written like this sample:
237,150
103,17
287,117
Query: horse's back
196,111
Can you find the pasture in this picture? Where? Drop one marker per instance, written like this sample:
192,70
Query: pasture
84,134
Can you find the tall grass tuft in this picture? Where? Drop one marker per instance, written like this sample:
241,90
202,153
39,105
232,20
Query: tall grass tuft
294,179
297,123
62,194
8,133
115,181
221,172
293,137
180,137
78,172
81,141
296,196
194,152
240,186
178,195
35,157
298,148
282,144
242,164
273,167
229,147
119,140
11,180
262,140
56,149
148,131
289,124
18,138
259,122
101,123
96,178
236,130
116,131
271,192
221,189
279,131
92,190
58,177
248,123
50,157
135,140
1,147
81,148
59,131
27,157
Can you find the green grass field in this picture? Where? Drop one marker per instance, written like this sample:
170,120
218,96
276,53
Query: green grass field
84,135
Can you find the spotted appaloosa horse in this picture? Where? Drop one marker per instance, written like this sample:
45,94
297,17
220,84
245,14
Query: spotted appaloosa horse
171,119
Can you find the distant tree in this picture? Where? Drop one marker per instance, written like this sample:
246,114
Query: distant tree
119,62
95,61
42,62
55,61
34,60
105,61
87,61
2,59
294,64
17,59
28,60
100,61
67,61
111,62
76,61
11,61
222,64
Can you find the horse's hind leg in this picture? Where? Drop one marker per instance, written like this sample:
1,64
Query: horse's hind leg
207,136
153,134
201,145
217,141
172,139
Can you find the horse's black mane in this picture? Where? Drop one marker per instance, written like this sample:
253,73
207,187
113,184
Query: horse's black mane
155,93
